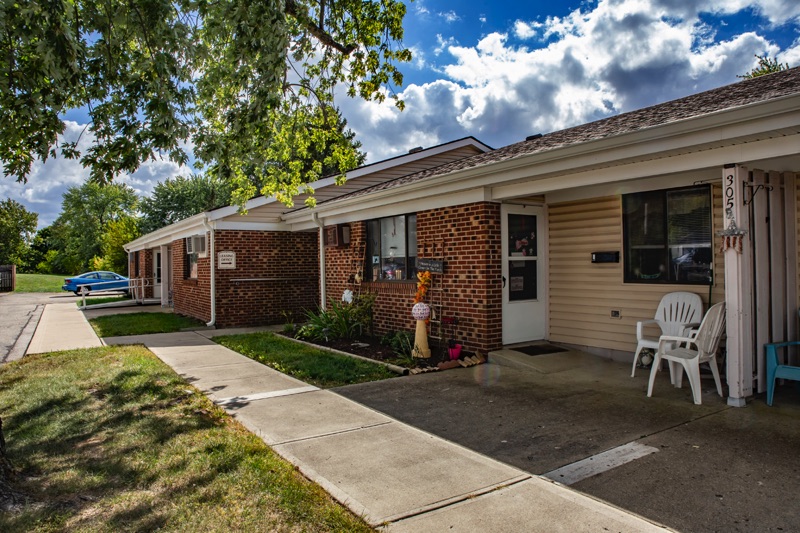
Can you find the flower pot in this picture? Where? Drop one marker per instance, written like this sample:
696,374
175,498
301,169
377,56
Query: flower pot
455,351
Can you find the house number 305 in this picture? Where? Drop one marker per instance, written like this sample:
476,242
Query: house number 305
729,191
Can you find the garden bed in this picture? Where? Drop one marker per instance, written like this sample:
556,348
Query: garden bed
372,348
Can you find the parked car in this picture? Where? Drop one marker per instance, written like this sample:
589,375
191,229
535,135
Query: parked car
96,281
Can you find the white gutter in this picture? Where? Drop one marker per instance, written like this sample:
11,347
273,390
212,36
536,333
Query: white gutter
321,226
210,230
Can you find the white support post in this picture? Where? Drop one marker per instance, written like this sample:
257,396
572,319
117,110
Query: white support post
738,290
763,301
790,212
165,276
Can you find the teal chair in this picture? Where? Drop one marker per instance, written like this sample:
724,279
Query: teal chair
776,370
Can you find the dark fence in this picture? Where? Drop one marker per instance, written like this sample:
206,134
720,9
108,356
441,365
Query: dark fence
8,278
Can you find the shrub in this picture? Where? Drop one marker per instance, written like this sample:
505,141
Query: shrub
340,320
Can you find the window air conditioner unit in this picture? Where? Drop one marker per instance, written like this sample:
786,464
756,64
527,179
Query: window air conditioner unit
196,244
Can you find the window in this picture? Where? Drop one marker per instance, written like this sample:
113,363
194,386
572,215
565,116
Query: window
392,248
668,236
189,262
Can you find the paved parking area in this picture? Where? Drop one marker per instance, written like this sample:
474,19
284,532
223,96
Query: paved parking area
717,468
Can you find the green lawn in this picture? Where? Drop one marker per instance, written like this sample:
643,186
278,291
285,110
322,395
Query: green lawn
141,324
319,367
111,439
39,283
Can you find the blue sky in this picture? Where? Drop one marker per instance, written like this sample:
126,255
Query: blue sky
501,71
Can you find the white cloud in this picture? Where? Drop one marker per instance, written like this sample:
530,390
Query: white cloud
443,44
614,56
420,9
525,30
48,181
450,16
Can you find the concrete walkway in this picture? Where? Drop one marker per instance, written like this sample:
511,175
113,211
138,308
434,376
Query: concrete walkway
395,476
62,327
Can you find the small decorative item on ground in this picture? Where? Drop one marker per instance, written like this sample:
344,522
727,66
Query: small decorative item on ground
421,312
454,350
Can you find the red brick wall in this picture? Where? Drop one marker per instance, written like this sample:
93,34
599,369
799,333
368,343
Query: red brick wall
470,286
191,297
284,271
145,269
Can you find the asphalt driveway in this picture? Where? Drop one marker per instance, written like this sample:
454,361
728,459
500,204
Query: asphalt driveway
717,468
19,315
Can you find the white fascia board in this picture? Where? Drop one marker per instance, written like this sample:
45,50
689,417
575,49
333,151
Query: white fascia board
188,226
251,226
716,127
714,158
400,207
358,172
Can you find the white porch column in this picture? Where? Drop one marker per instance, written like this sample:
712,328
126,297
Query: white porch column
738,289
166,276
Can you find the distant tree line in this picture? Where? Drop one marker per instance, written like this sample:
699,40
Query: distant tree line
97,220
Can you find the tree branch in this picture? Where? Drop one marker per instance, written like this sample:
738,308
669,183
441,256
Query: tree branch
316,30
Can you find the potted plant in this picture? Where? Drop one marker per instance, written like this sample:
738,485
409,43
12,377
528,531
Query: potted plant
453,349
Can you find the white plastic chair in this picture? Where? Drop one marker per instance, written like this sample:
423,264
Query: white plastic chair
686,353
677,313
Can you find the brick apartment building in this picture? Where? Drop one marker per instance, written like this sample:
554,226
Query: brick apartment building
571,236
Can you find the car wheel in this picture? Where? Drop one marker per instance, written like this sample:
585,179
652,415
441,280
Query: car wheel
77,293
85,290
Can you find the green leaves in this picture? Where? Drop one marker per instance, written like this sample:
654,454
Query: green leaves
249,83
17,228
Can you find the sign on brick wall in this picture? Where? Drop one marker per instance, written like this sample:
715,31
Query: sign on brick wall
431,265
226,260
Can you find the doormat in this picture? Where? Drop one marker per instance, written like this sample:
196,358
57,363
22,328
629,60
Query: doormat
539,349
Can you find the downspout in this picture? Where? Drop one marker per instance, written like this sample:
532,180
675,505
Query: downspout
319,223
210,230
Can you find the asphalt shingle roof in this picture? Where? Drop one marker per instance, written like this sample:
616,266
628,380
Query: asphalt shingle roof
738,94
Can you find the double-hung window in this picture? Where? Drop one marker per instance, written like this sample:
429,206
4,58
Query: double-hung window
668,236
392,248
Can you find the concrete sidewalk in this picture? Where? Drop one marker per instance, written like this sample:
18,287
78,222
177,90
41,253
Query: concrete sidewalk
62,327
397,477
394,475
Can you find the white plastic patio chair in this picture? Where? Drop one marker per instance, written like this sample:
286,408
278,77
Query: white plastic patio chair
686,353
677,313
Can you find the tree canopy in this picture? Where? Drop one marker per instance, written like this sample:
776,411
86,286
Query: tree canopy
766,65
248,83
17,229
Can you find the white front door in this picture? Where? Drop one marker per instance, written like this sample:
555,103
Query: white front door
157,274
523,273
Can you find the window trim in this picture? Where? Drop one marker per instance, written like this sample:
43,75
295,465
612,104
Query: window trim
626,274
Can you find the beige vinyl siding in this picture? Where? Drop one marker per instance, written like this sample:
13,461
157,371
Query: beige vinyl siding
583,294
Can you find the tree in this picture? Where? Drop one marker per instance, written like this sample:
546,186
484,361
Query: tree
249,82
181,197
17,228
766,65
86,213
118,232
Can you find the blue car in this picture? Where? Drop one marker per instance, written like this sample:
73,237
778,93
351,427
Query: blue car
96,281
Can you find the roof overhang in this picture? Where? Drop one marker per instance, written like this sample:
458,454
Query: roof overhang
762,130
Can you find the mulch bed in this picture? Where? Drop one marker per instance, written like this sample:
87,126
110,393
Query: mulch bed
371,348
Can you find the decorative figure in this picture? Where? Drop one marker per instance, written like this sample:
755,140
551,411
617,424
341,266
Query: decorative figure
421,312
732,235
347,296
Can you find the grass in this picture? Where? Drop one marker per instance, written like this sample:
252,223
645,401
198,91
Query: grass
111,439
104,300
39,283
321,368
141,324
